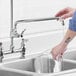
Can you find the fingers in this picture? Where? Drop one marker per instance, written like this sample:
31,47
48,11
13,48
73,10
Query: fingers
66,16
56,56
65,13
62,12
57,52
53,55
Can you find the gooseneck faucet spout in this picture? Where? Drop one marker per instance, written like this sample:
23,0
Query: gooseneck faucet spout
35,20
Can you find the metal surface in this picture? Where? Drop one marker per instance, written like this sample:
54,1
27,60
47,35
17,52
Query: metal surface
29,67
35,20
32,65
11,28
71,55
44,64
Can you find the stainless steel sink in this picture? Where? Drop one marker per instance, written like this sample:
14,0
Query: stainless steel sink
34,66
71,55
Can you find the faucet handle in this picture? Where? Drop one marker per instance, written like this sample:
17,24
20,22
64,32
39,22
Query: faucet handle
23,32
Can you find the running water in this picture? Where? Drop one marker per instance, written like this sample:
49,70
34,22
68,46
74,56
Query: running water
58,64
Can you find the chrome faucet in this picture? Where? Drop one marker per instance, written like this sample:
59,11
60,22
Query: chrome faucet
15,34
35,20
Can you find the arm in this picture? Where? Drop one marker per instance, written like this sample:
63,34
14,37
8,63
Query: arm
61,47
70,34
68,37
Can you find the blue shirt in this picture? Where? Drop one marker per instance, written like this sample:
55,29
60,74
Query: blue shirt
72,22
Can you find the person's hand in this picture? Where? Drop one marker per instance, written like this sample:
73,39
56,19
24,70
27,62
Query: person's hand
66,13
58,50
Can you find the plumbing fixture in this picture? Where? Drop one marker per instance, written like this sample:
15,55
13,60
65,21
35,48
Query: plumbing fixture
23,47
14,33
35,20
21,50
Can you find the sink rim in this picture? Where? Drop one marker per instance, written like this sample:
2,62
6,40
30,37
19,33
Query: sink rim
33,73
72,60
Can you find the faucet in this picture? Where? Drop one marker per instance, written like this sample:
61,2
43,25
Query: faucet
35,20
14,33
28,21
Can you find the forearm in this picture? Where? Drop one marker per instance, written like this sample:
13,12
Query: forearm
68,37
71,32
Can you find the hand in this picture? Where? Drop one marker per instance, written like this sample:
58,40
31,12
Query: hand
66,13
58,50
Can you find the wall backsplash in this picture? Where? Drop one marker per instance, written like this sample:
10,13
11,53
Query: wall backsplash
39,42
25,9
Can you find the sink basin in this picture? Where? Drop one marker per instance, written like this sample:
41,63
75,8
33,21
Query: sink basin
34,66
70,55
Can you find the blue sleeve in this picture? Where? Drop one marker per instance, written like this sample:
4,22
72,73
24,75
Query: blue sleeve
72,22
